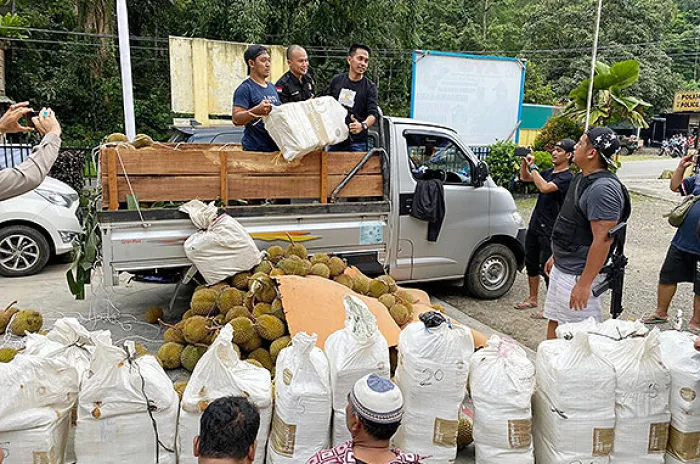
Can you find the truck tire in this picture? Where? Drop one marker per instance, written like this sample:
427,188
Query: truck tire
491,272
24,251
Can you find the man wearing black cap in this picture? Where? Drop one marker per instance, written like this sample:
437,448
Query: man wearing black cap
296,85
552,184
359,95
595,203
254,99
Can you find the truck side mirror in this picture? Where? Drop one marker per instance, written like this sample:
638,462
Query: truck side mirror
482,172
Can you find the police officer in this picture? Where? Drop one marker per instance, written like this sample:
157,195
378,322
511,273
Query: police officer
296,85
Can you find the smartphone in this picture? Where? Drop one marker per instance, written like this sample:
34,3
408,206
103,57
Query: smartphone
522,151
35,114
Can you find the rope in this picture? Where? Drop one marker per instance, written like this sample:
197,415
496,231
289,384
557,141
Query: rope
128,182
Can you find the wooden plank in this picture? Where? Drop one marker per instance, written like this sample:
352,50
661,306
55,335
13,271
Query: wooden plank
223,178
112,187
172,188
324,177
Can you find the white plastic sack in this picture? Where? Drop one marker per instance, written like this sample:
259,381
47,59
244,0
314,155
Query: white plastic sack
643,387
36,398
502,381
302,127
357,350
303,402
568,330
221,247
683,361
432,370
127,410
221,373
574,406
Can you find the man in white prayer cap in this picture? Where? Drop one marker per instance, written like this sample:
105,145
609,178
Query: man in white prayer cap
374,412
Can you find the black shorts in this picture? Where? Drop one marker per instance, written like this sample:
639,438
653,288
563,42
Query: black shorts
538,249
680,266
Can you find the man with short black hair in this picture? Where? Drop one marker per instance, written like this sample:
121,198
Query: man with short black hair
359,95
595,203
296,85
254,99
227,432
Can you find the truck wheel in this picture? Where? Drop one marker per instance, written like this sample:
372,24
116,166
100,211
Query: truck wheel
23,251
491,272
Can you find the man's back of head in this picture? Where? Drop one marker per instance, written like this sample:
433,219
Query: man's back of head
227,432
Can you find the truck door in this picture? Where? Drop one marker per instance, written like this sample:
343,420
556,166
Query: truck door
466,222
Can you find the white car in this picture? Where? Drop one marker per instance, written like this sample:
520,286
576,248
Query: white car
36,226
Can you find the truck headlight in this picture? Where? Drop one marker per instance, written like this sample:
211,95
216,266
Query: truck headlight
58,199
518,219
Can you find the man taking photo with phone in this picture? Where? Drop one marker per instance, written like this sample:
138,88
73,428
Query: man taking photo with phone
32,172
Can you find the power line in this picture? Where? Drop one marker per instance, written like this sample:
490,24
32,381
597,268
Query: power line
85,34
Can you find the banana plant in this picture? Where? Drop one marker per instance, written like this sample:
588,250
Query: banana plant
609,104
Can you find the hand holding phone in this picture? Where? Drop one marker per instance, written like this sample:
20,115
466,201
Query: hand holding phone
522,151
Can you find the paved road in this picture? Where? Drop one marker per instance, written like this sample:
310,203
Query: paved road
647,169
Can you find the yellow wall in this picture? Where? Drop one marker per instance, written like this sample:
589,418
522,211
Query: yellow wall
205,73
527,137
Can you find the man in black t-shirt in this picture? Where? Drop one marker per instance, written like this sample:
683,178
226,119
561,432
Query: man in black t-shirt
296,85
359,95
552,184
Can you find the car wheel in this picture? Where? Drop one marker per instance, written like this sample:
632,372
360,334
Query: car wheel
491,272
23,251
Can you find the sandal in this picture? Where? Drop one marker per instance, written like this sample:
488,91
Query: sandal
524,305
694,330
538,315
653,319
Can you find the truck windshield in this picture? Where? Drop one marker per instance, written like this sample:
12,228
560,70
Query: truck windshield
434,152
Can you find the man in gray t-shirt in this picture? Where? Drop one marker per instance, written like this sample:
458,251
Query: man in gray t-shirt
594,204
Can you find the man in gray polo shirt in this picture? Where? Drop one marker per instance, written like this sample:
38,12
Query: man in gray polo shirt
595,203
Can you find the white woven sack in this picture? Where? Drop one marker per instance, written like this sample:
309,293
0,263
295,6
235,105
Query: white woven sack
574,406
433,368
303,403
502,381
221,373
36,398
681,358
127,409
353,352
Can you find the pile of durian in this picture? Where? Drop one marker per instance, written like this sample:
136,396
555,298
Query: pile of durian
250,302
18,322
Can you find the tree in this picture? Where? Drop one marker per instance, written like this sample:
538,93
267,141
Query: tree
609,105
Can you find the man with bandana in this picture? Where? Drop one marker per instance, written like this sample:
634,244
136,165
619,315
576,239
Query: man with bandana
595,203
373,415
254,99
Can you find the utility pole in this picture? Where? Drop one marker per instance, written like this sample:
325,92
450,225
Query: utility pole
593,61
125,64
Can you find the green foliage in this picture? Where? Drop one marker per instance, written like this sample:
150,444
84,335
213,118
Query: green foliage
543,160
9,22
503,164
87,249
557,128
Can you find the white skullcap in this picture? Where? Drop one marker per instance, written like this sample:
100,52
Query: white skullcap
377,399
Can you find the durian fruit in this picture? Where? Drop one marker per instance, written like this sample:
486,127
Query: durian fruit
7,354
249,301
378,288
255,362
262,356
438,307
263,287
117,137
253,344
320,258
140,350
278,309
169,355
237,311
320,269
405,296
387,300
174,334
269,327
187,314
262,308
180,388
190,356
387,279
294,265
275,253
276,272
345,280
153,314
5,317
465,432
240,281
220,287
26,321
219,319
336,265
265,267
243,330
361,284
204,301
400,314
142,141
296,249
278,345
228,299
196,329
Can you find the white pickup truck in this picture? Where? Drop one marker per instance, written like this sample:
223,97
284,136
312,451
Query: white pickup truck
481,240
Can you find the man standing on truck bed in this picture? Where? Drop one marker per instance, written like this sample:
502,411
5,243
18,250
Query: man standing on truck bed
359,95
254,99
296,85
595,203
